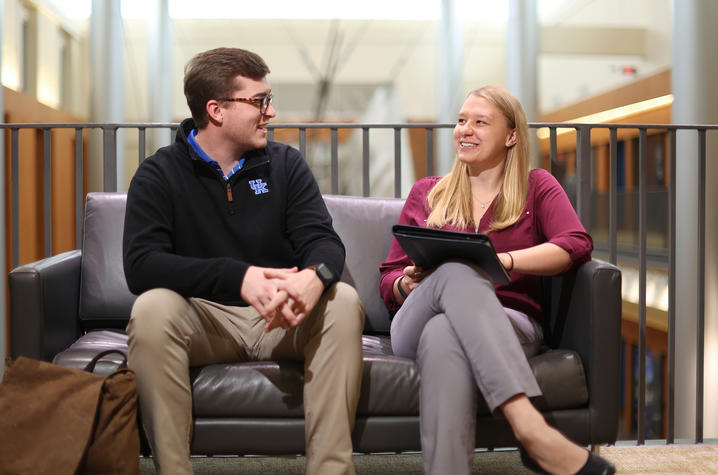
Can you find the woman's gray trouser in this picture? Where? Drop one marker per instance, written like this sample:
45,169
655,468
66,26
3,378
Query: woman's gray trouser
463,339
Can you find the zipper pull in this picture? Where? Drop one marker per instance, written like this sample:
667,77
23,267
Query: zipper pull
229,193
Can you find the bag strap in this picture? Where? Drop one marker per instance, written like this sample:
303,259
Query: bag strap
91,365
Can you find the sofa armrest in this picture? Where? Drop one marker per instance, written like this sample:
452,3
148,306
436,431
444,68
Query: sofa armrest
44,297
585,314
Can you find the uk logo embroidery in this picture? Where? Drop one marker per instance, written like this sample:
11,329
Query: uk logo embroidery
258,186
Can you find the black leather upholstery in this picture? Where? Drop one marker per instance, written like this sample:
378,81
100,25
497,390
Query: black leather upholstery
44,298
105,299
364,225
70,307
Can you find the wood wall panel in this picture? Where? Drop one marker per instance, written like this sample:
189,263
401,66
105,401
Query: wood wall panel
22,108
656,85
63,190
31,195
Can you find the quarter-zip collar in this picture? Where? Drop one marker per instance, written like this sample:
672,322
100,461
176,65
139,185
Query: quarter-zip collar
252,159
192,140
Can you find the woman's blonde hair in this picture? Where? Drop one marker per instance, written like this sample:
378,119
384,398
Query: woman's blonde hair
450,200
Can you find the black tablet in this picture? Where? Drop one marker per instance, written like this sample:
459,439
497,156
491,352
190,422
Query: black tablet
429,247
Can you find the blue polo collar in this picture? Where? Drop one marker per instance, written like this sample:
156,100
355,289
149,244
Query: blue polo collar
192,139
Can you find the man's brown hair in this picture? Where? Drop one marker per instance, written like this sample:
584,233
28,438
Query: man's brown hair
211,75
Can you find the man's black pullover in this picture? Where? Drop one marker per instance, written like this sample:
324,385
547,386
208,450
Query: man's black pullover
188,230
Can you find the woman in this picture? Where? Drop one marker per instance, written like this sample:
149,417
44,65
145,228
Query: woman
466,335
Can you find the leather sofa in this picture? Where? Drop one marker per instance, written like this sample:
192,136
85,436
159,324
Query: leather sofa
71,306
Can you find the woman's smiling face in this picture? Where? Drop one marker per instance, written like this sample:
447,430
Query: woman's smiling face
482,134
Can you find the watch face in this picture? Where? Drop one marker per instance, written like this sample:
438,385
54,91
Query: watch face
324,273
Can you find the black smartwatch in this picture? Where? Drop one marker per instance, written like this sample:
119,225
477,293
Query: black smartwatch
325,274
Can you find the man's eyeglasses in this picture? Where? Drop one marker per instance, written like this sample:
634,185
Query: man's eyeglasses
263,102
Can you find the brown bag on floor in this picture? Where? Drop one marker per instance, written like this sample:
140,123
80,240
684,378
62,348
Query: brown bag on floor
55,419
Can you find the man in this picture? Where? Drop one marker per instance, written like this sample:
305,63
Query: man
230,245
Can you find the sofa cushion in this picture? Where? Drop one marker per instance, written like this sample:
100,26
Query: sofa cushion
562,380
91,343
105,299
364,226
390,384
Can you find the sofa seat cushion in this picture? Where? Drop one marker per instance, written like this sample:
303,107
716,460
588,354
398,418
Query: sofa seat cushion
79,354
390,386
266,389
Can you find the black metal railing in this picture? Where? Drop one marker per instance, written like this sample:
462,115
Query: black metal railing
599,210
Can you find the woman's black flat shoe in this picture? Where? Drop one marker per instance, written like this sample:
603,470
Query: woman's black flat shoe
595,464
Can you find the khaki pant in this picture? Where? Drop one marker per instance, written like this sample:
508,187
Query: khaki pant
169,333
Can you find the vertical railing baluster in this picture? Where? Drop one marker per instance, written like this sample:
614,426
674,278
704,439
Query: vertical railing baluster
397,162
642,197
303,142
554,148
612,195
15,136
365,161
700,337
47,189
270,134
429,151
79,187
671,396
141,146
335,160
109,158
583,175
